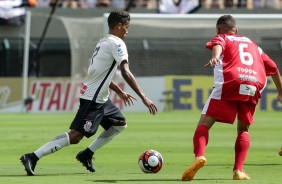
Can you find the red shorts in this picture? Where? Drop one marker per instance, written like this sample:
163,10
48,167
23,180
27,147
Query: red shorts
226,111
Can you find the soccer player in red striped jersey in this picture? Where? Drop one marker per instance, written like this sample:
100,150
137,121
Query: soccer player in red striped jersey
240,75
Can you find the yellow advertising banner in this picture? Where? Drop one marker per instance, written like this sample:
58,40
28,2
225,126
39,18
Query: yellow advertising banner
62,94
191,93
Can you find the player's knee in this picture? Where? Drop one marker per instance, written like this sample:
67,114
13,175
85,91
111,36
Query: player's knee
242,127
75,141
75,137
120,128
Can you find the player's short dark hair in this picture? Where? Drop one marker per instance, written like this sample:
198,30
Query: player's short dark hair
227,21
116,17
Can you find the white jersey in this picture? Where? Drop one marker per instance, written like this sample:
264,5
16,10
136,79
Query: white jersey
109,53
11,9
177,7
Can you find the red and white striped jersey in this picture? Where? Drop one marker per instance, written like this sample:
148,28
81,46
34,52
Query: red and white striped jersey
243,69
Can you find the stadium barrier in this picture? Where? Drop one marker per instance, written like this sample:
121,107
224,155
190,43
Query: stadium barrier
51,95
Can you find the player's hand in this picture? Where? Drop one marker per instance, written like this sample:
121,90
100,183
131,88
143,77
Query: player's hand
127,98
212,62
151,106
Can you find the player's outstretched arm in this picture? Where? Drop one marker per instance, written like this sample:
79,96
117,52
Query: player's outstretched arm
278,83
126,97
131,81
216,52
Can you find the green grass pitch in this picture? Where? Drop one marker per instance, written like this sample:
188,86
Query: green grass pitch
170,133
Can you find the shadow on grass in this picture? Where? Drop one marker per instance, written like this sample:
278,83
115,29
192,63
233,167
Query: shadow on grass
40,175
132,180
153,180
258,165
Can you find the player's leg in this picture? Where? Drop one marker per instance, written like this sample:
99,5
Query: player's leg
29,160
107,135
89,121
241,148
213,111
201,135
73,137
113,123
200,140
85,156
242,143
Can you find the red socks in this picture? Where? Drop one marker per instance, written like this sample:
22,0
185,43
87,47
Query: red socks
200,140
241,150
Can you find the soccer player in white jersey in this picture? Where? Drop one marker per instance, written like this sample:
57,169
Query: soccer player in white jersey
95,106
240,72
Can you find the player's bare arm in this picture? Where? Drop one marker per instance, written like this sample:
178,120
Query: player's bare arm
216,52
127,98
130,79
278,83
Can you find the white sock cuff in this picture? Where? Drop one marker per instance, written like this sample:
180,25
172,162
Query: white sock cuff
68,138
120,128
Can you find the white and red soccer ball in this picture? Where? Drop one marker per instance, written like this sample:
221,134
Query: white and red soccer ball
150,161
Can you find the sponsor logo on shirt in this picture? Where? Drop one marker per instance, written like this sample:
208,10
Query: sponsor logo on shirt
246,70
247,90
83,88
120,51
251,78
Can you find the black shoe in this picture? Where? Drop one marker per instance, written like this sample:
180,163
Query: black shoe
85,157
29,161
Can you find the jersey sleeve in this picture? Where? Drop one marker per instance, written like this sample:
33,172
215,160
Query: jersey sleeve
269,65
119,52
217,40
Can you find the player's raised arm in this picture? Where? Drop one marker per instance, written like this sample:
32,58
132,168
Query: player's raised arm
130,79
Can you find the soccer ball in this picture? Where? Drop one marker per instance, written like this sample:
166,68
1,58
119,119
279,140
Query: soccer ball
150,161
